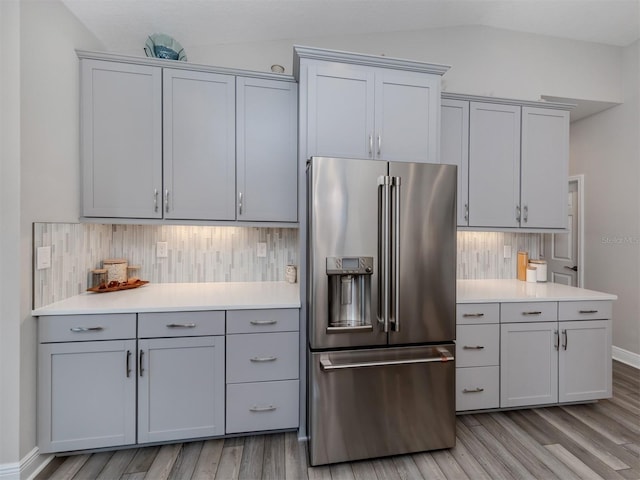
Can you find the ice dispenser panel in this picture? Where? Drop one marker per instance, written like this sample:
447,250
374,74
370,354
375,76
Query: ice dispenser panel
349,293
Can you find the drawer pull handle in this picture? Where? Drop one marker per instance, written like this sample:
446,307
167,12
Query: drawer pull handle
86,329
263,322
532,313
263,359
475,315
588,311
472,347
473,390
128,366
270,408
181,325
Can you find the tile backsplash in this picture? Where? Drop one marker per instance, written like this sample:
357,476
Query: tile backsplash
220,254
195,254
481,254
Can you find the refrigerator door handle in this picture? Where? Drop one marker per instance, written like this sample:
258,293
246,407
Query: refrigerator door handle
384,260
327,365
395,261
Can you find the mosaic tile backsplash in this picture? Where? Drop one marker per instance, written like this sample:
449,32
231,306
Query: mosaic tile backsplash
219,254
195,254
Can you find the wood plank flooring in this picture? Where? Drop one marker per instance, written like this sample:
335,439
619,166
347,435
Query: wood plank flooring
592,441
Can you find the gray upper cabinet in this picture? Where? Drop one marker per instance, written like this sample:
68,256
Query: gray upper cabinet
121,139
159,142
199,145
545,167
454,149
512,159
340,116
365,106
494,165
266,149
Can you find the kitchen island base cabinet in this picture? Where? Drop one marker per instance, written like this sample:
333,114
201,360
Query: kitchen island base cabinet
180,388
86,395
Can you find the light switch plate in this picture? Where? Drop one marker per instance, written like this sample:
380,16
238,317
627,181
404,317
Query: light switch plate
261,250
43,257
507,251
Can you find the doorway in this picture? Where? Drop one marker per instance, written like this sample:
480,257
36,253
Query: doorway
564,252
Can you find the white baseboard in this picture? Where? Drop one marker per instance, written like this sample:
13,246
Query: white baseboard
625,356
32,464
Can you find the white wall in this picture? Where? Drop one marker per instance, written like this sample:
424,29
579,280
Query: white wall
9,231
605,148
49,144
485,61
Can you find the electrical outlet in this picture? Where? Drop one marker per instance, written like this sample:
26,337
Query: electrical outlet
261,250
162,250
43,258
507,251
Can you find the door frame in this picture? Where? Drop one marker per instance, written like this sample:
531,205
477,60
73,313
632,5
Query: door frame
579,179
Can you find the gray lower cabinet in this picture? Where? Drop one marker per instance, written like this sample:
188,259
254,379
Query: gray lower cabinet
86,382
181,359
477,357
180,388
262,370
566,358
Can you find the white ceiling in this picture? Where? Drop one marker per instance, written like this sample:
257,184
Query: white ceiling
122,25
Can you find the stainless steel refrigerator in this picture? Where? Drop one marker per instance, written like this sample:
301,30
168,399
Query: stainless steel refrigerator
381,313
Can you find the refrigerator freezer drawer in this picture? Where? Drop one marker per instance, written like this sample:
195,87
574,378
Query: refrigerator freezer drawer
379,402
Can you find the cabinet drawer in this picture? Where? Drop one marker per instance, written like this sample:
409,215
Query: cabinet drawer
259,357
517,312
473,313
180,324
80,328
478,345
477,388
585,310
253,407
257,321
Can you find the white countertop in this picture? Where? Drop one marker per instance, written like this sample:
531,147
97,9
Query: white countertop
171,297
512,290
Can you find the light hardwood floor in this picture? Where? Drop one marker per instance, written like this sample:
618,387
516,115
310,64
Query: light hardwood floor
591,441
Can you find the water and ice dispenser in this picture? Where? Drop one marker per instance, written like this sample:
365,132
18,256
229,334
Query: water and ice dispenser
349,293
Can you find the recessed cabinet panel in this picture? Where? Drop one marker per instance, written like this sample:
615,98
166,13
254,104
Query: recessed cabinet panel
121,132
86,395
406,116
180,388
199,145
585,360
494,165
545,167
266,138
340,111
454,149
528,364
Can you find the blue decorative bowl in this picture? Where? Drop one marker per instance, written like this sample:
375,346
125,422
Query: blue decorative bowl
160,45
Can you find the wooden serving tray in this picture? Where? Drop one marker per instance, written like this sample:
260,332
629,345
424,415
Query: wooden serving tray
126,286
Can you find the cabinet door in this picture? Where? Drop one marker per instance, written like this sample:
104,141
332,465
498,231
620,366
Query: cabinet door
121,132
86,395
454,149
407,116
340,111
545,167
494,165
585,360
199,145
528,364
266,150
180,388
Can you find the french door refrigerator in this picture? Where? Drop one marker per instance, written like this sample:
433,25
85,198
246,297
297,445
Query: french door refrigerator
381,313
